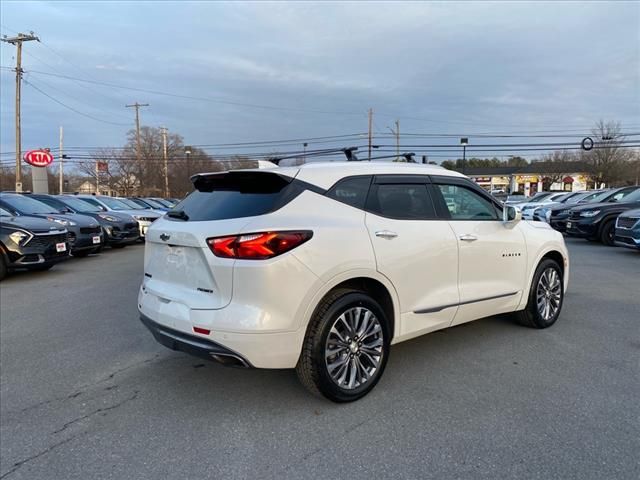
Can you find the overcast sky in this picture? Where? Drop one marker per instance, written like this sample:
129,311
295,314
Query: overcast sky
437,67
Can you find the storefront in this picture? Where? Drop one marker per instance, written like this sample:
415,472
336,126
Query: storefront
533,178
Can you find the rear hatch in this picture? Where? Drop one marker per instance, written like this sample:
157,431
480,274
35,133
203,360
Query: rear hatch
179,265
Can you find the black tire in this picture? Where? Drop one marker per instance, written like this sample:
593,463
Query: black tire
607,233
312,367
531,316
3,267
118,245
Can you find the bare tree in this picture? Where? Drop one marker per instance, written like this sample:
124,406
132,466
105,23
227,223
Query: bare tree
556,166
609,160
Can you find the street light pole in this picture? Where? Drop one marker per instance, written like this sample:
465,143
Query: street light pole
464,141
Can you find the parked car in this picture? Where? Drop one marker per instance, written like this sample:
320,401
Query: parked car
322,267
118,229
30,243
628,229
528,208
559,215
515,199
165,202
110,204
85,234
148,204
596,221
543,212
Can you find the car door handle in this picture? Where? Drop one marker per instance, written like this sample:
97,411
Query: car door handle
386,234
467,237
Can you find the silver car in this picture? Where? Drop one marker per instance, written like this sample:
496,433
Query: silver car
144,217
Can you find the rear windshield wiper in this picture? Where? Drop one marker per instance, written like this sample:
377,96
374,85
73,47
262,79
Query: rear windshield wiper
178,214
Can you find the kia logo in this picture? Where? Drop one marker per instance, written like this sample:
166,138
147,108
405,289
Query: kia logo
164,237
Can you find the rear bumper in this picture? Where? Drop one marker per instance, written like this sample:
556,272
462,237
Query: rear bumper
196,346
258,347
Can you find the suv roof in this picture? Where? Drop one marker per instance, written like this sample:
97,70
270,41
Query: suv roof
325,174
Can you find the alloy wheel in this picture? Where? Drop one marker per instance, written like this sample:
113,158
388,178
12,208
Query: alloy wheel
354,348
549,293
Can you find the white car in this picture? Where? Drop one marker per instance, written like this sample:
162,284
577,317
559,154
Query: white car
144,217
528,208
322,267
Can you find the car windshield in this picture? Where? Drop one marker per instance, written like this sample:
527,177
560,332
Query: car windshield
80,205
114,203
633,196
28,206
160,202
575,198
598,197
139,202
4,213
131,204
538,196
154,203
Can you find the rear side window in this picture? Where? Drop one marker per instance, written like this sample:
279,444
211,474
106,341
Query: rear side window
236,195
401,201
352,191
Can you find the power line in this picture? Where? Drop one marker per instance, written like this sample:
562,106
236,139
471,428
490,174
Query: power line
71,108
204,99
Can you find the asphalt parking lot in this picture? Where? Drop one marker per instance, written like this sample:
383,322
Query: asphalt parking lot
87,393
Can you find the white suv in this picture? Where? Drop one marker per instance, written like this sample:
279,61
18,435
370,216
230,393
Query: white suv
322,267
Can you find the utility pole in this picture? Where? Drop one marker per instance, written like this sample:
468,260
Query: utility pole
370,130
166,161
396,132
60,158
137,107
17,41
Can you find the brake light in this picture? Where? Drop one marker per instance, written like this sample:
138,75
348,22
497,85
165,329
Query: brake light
257,246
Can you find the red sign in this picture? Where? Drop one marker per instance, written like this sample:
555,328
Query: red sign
102,167
38,158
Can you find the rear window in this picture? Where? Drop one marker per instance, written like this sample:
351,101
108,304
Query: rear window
236,195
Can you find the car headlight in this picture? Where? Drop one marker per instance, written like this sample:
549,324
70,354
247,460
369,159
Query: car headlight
108,218
19,237
547,215
61,221
589,213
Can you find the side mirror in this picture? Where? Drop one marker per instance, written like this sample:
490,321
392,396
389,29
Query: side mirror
511,214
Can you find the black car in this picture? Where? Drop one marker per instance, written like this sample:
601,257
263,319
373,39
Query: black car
85,234
596,221
558,215
628,229
30,243
543,213
119,229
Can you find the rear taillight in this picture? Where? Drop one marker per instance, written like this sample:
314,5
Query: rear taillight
257,246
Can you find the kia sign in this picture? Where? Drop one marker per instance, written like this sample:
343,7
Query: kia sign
38,158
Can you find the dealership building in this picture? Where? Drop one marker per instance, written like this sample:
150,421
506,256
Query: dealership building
533,178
